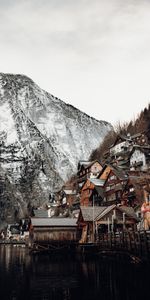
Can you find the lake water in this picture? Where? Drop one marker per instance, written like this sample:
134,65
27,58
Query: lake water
24,276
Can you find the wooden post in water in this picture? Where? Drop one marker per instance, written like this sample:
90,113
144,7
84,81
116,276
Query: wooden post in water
112,226
108,222
93,222
124,221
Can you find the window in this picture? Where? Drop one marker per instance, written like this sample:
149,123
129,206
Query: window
111,197
112,177
108,188
131,189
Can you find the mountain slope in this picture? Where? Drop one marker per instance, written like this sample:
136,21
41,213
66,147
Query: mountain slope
41,140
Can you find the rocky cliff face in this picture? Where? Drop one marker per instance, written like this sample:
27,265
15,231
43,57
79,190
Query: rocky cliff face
41,140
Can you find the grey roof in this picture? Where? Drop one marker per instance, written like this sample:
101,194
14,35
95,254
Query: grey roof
106,211
97,182
100,191
89,212
83,163
129,211
53,222
40,213
87,164
119,173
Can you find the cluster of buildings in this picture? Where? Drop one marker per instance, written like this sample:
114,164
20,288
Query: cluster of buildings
101,198
116,195
16,232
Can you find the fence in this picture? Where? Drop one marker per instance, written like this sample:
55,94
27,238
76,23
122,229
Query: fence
136,243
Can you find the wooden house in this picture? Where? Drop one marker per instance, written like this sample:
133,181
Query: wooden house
140,158
114,186
125,143
86,222
137,189
121,144
49,231
93,221
92,192
69,196
116,218
88,169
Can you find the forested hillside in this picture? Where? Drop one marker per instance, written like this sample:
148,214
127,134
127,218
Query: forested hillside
140,124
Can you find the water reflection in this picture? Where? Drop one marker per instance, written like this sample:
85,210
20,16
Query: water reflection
67,278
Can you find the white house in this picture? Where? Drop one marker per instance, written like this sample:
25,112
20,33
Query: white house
138,159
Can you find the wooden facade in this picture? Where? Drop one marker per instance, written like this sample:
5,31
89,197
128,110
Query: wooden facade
87,169
94,221
105,172
86,223
117,218
49,231
137,189
114,187
92,192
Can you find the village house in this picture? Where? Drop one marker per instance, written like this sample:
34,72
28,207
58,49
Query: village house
94,221
116,218
46,232
86,222
136,189
87,169
123,143
69,195
140,158
92,192
114,186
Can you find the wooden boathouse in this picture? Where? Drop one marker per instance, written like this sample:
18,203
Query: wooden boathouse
52,233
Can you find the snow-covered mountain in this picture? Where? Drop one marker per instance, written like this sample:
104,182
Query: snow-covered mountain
41,141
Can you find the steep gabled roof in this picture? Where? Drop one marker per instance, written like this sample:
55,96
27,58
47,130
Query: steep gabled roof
128,138
105,211
87,164
143,149
120,174
89,213
122,137
129,211
83,163
94,181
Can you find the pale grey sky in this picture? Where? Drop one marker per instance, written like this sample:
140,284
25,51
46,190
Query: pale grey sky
93,54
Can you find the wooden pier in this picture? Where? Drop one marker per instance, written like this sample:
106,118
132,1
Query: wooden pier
135,244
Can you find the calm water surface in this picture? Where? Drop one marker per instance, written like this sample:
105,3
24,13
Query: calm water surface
43,277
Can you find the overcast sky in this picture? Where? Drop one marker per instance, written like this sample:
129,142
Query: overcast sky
93,54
